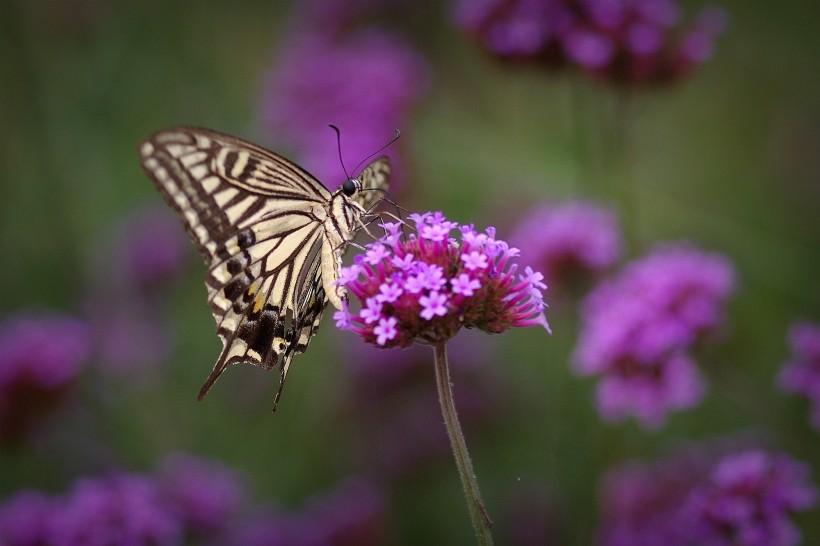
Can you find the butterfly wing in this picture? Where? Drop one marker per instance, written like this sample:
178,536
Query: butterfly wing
373,177
250,213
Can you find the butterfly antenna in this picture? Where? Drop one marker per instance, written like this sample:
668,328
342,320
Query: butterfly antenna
339,148
392,140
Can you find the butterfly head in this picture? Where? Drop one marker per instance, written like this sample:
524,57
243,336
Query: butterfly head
351,186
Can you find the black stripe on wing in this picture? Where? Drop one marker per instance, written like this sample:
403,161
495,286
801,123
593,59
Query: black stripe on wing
259,307
219,184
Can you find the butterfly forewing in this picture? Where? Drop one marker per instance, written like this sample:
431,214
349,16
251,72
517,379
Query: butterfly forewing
261,222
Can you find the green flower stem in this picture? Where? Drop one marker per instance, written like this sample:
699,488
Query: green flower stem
481,521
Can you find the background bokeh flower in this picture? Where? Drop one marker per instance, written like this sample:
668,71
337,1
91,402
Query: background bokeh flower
365,83
41,356
703,494
801,373
636,42
569,242
638,330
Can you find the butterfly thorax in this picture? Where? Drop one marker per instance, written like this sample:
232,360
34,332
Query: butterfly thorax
342,220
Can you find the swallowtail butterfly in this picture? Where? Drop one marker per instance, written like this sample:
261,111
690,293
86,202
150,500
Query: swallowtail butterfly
272,235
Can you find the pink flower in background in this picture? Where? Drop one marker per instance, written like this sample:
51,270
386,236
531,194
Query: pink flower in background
635,42
190,498
747,499
353,513
742,498
127,300
118,510
149,250
206,494
801,373
365,83
567,240
446,284
40,357
25,519
637,329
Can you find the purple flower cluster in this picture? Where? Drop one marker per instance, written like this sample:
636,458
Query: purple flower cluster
426,285
188,501
365,83
40,356
637,329
746,501
126,305
149,250
744,498
352,514
205,494
633,42
123,509
190,497
567,240
801,374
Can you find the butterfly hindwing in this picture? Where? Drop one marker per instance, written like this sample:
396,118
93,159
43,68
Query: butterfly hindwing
261,223
373,177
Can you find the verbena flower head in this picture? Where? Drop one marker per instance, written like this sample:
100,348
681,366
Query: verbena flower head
740,498
621,42
637,329
569,239
801,373
425,286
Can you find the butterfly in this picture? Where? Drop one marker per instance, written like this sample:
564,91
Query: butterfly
272,235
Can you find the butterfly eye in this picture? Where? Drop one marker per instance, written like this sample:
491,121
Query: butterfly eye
349,187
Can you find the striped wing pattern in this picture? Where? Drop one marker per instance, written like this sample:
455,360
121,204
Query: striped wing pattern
257,219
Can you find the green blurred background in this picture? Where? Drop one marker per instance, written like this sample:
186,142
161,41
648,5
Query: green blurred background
729,158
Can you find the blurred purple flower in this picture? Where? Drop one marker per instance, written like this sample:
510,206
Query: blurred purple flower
40,356
620,42
641,501
392,397
352,514
801,373
747,499
743,498
119,510
126,305
569,239
206,494
132,339
364,83
149,250
637,327
433,305
24,519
